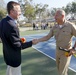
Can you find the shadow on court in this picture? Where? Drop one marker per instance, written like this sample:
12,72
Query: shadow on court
34,63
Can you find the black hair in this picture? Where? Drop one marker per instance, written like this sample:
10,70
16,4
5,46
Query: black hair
10,6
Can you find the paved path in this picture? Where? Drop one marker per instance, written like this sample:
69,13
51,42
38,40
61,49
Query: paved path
25,28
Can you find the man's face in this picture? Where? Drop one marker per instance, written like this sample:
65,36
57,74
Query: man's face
16,12
58,17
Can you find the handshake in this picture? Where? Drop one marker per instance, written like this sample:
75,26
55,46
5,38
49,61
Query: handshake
34,41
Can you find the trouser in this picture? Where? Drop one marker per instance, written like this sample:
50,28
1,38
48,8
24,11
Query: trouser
13,70
62,62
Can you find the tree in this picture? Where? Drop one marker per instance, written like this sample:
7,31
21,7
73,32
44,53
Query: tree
40,11
73,8
27,9
2,9
29,12
68,8
2,4
2,14
53,11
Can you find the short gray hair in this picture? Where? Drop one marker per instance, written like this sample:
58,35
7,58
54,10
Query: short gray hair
61,12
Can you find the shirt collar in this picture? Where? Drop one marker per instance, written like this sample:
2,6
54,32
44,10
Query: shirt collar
57,26
15,21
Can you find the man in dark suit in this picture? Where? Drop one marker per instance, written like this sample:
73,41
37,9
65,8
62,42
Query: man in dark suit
12,45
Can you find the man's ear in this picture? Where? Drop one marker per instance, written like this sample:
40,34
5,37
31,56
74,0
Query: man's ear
11,11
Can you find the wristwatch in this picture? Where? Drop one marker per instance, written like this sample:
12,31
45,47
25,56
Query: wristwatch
74,48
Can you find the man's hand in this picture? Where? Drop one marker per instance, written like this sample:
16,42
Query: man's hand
72,52
35,41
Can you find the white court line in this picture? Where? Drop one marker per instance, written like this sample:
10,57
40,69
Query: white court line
45,53
50,57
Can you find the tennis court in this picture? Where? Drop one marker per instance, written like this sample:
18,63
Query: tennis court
48,48
34,60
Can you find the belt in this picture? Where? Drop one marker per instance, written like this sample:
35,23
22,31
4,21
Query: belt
66,50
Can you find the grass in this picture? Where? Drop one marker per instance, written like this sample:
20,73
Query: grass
33,62
36,63
29,32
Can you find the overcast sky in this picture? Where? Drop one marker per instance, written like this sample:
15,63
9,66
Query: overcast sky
51,3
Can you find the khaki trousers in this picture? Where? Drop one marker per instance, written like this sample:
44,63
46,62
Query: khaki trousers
13,70
62,62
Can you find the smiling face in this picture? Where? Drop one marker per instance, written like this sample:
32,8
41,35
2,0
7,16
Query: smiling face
59,16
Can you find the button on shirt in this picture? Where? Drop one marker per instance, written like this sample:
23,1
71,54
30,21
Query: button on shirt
64,35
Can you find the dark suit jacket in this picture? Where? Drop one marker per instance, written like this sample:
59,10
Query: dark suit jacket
12,45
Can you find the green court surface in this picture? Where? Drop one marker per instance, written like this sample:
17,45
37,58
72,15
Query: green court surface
33,62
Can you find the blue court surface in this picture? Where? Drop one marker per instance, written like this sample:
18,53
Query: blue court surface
48,48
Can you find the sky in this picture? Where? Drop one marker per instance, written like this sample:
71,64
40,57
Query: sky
51,3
